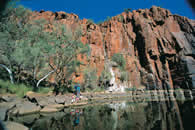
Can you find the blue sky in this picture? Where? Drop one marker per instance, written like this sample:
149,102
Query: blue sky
98,10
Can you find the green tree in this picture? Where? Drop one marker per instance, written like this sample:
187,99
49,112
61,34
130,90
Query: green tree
11,30
124,76
127,10
105,77
24,45
34,51
90,77
67,46
120,60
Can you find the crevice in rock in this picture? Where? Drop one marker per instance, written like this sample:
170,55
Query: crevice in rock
139,45
156,67
64,16
160,23
178,48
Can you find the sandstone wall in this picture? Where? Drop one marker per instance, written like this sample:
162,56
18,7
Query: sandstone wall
159,47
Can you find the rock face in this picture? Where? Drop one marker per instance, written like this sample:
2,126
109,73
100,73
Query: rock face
159,48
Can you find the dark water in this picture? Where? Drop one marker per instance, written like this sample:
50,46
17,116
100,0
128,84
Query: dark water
167,115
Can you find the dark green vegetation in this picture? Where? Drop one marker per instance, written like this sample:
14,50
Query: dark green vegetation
19,89
120,60
29,53
127,10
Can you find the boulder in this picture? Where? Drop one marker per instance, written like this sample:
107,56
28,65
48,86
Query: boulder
26,119
14,126
25,108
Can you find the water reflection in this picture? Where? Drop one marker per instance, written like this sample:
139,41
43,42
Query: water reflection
76,115
168,115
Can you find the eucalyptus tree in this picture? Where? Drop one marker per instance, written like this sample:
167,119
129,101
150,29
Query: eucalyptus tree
11,30
24,45
34,51
67,46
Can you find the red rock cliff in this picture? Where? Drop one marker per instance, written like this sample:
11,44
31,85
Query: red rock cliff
159,47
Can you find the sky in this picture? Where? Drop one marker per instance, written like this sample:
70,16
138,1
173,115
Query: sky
98,10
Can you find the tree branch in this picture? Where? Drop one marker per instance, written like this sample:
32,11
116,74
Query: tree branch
44,78
9,71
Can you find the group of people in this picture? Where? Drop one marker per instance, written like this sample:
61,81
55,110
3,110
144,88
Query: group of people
76,95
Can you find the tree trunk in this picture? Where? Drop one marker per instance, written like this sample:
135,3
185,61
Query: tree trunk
9,71
44,78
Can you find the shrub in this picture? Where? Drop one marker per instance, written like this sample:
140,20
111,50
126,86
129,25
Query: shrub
105,78
108,19
127,10
18,89
124,76
100,22
120,60
121,18
90,77
90,21
130,89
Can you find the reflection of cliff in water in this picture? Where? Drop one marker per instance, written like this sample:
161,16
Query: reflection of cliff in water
168,115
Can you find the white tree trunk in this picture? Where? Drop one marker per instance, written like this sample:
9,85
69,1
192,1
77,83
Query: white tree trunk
9,71
44,78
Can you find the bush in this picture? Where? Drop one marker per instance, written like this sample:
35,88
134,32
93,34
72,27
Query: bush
124,76
121,18
90,77
108,18
18,89
130,89
90,21
100,22
120,60
127,10
44,89
105,78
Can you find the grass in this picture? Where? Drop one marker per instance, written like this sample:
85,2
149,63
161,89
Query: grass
44,89
130,89
19,89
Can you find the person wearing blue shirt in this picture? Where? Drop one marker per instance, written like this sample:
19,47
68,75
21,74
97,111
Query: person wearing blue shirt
77,90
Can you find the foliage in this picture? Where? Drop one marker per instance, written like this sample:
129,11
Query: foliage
34,50
127,10
121,18
124,76
120,60
105,78
90,21
108,18
12,31
18,89
90,77
131,89
27,48
44,89
67,47
100,22
25,45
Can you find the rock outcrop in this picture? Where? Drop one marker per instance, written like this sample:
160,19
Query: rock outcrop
159,48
